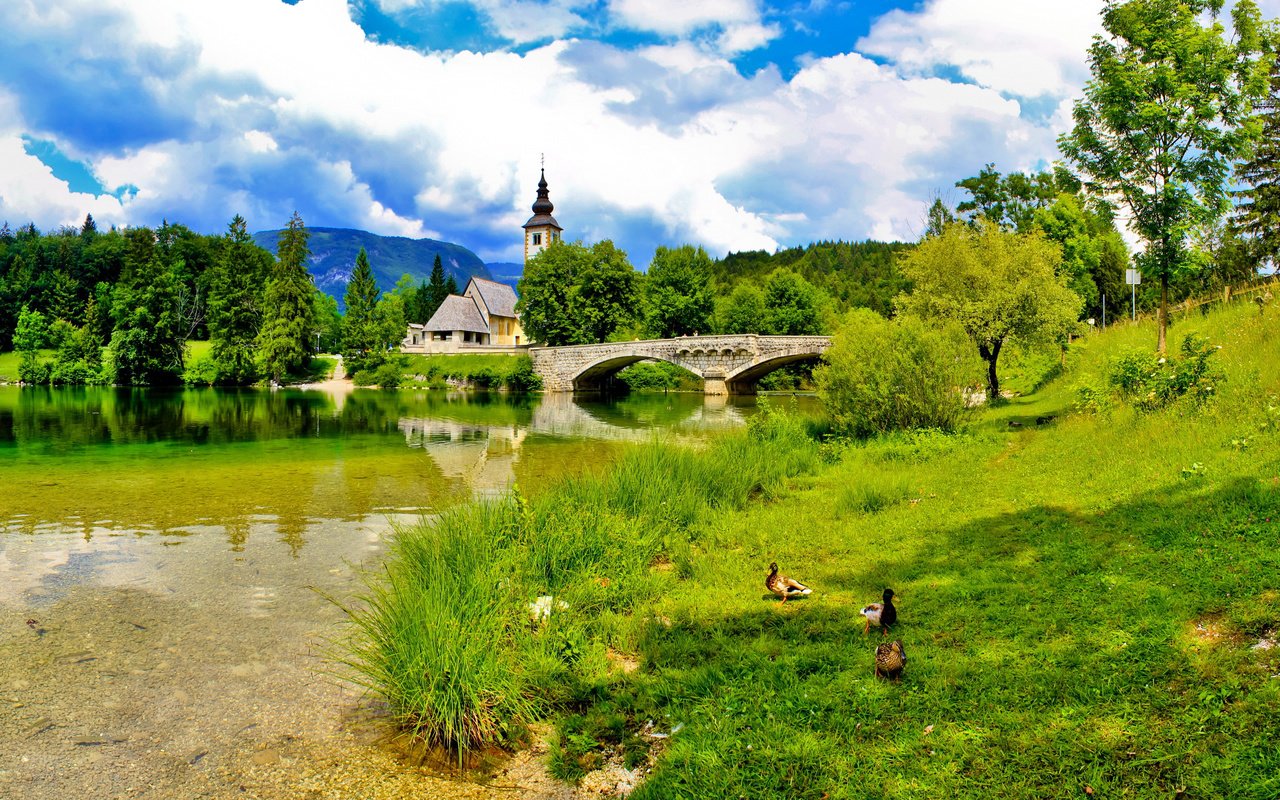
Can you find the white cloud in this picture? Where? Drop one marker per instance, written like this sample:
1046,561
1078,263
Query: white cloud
293,107
1022,47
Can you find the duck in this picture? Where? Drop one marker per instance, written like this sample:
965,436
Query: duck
783,586
891,659
882,614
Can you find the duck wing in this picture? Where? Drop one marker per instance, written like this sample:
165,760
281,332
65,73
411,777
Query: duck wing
873,612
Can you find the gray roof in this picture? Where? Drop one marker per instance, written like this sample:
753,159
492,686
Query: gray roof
543,219
457,313
499,298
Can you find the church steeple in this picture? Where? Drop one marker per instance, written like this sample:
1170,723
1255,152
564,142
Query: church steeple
541,229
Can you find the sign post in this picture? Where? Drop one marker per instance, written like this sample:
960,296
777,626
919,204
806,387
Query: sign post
1133,278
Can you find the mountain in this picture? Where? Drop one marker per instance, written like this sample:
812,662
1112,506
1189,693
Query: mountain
333,254
506,272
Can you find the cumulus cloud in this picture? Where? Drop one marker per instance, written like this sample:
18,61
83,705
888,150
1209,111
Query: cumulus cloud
1021,47
264,108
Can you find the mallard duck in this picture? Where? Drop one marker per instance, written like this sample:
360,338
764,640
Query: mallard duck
890,659
783,586
882,614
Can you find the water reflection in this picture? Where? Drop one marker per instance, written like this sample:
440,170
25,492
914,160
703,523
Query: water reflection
94,459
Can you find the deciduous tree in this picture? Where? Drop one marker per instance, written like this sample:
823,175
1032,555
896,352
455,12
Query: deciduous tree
678,298
996,285
1166,112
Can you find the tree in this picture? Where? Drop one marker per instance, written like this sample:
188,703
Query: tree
436,291
89,228
1011,201
996,285
148,341
236,304
743,311
1258,214
450,287
287,326
574,294
1094,255
362,335
1164,115
792,306
937,218
678,297
328,321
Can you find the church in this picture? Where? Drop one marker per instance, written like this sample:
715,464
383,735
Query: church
483,318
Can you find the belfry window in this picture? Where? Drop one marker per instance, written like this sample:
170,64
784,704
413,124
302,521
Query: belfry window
537,238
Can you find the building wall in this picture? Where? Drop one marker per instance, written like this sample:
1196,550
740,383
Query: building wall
545,235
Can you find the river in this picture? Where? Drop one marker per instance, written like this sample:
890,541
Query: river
169,562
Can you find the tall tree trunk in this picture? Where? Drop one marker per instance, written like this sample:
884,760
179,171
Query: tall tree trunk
1163,320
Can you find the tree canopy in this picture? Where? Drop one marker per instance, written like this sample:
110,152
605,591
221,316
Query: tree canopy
996,285
1165,113
574,294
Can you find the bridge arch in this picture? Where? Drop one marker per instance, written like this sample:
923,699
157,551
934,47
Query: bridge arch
593,375
743,380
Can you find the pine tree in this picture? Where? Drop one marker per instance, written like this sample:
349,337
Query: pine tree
287,319
148,342
90,227
1258,215
361,333
450,287
235,305
437,290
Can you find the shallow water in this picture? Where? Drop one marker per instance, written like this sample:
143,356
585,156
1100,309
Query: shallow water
167,561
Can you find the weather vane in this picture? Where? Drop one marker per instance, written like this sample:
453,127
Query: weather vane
542,157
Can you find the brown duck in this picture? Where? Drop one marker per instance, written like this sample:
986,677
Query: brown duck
891,659
783,586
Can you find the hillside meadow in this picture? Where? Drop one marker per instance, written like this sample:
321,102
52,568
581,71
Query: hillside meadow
1089,602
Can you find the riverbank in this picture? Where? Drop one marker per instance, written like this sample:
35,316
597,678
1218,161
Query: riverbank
1087,599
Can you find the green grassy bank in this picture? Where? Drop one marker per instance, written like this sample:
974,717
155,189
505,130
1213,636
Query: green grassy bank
1088,602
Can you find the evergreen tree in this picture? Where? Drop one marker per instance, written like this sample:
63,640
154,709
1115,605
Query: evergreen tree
89,228
361,330
147,344
235,305
436,291
450,287
287,319
1258,214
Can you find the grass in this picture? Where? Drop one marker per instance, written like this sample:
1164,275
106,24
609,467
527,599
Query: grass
1085,602
480,370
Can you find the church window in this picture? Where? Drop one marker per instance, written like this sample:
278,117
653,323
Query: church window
537,238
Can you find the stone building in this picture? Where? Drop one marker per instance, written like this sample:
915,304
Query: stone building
482,317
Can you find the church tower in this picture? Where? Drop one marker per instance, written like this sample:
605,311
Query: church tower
542,228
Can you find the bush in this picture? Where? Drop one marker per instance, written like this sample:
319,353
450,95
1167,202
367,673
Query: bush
883,375
1152,383
202,371
523,379
32,370
387,375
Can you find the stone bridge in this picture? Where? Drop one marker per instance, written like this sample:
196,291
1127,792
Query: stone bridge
729,364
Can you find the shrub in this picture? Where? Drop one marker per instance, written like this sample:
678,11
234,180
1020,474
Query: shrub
883,375
387,375
32,370
202,371
523,379
1152,383
649,376
1092,399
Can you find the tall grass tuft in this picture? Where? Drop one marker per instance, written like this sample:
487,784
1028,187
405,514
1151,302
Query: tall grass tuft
433,635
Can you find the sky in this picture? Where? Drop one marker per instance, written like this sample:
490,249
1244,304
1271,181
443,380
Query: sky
730,124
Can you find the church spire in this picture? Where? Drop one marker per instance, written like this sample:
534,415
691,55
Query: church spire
543,204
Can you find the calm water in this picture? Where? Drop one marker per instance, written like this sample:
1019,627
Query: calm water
166,559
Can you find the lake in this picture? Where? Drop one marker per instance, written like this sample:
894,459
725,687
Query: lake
172,565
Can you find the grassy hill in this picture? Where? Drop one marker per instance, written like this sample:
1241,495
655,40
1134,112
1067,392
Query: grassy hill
1089,602
333,254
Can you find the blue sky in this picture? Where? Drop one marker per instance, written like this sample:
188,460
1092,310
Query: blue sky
733,124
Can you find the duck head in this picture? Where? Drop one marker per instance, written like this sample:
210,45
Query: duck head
888,595
773,567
